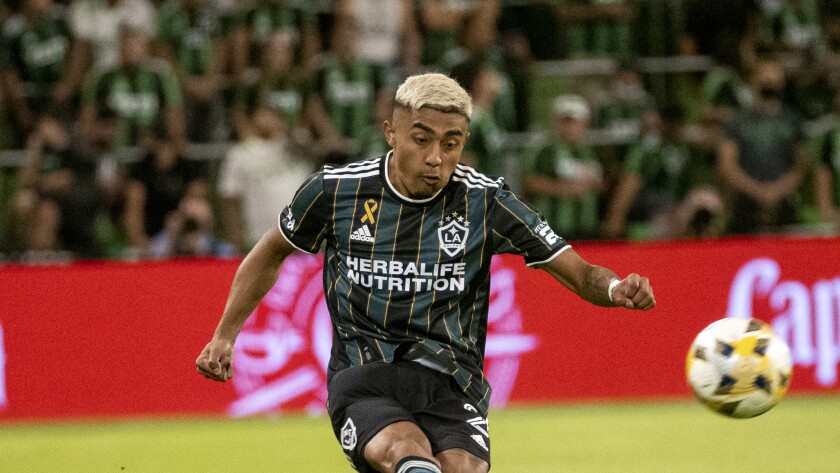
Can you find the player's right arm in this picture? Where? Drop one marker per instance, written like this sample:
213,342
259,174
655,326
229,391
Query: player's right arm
255,276
303,224
593,283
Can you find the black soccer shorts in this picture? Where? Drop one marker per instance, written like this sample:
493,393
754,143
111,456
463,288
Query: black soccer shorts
365,399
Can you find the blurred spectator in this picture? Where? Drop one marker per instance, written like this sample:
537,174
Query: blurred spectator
442,20
258,178
791,25
372,141
723,87
277,86
347,92
659,184
702,212
518,64
255,24
157,185
567,178
188,231
483,148
704,141
97,24
481,49
810,90
827,176
537,23
388,33
145,97
597,27
763,157
44,67
621,107
58,201
192,36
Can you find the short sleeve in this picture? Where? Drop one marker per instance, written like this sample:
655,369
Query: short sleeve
305,221
517,229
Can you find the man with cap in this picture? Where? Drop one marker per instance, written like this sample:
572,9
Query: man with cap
566,177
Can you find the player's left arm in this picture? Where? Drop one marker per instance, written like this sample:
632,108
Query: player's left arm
594,283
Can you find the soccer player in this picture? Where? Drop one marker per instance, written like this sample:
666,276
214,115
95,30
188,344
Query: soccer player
409,238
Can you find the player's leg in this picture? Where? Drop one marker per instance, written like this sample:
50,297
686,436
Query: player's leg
457,430
370,419
401,448
456,460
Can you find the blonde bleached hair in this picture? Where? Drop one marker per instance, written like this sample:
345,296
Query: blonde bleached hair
435,91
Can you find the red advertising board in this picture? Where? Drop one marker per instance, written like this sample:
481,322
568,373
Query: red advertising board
119,339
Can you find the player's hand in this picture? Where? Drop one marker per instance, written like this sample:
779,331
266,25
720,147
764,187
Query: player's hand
216,360
634,292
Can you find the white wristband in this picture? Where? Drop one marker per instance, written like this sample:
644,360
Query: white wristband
610,288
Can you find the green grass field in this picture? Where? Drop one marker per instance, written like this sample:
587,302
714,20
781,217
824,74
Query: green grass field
800,435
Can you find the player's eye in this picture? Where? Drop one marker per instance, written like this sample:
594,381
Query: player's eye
450,145
420,139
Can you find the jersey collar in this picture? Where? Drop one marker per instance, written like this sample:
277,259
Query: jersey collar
393,190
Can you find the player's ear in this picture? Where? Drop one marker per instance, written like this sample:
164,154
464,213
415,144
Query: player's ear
390,132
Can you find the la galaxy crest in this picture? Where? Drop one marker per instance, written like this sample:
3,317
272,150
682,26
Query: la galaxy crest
348,435
452,233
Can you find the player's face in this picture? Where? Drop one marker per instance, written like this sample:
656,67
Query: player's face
427,147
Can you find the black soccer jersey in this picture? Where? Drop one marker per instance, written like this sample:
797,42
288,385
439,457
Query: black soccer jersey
407,278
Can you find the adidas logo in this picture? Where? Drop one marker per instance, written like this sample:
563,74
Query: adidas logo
479,441
362,234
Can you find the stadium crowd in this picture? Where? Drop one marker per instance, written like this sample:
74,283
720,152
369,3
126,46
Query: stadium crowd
121,108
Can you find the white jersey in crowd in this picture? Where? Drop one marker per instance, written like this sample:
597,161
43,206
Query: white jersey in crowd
264,175
380,27
96,22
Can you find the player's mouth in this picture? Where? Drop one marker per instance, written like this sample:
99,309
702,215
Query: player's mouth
431,179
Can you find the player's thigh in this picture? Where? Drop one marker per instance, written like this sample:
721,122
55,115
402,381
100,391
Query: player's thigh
454,425
456,460
361,405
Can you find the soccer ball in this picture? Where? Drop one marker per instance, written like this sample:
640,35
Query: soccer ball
738,367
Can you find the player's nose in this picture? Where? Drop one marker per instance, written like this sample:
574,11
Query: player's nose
433,158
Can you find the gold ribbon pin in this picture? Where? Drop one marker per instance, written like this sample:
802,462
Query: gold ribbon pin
370,208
